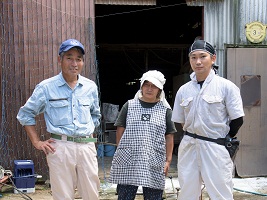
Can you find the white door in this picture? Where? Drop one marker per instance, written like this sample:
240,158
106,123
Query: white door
247,68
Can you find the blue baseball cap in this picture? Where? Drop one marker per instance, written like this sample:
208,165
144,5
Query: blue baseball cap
68,44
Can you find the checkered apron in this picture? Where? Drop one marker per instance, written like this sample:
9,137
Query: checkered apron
140,156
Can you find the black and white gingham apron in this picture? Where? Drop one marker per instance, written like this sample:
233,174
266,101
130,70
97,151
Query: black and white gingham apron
140,157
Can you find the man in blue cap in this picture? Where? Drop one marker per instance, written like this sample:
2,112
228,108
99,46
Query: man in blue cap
208,107
71,110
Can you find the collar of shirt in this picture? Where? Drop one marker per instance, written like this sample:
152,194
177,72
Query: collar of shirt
207,80
62,81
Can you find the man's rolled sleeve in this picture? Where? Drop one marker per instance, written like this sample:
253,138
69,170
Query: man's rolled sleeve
34,106
178,112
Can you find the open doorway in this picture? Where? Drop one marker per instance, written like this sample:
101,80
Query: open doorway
134,39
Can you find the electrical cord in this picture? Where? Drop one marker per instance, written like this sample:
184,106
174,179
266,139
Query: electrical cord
245,191
256,193
23,195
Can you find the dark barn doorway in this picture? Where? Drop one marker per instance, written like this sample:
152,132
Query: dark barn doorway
133,39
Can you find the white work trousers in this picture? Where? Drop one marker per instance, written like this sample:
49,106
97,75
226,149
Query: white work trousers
204,162
73,165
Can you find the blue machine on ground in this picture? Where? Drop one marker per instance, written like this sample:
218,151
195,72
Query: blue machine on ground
24,177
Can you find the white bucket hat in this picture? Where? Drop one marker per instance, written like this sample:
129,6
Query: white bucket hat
157,78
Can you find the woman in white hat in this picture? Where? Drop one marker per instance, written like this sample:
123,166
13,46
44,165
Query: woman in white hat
145,141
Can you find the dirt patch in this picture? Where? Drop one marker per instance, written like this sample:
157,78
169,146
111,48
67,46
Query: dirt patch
108,191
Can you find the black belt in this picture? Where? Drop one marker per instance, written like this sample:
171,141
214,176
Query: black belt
83,139
220,141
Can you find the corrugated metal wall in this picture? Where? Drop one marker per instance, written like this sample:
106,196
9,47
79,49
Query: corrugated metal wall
249,11
30,35
219,26
225,20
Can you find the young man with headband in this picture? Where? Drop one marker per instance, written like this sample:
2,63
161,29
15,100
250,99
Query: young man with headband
208,107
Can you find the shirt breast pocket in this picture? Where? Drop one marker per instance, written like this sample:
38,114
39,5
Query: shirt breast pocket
59,112
186,103
84,106
214,102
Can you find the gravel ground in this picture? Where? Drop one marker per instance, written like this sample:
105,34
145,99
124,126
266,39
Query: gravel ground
245,189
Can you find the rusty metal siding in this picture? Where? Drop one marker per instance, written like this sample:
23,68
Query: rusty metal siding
126,2
31,32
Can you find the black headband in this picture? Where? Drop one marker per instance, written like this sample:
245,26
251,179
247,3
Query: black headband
201,45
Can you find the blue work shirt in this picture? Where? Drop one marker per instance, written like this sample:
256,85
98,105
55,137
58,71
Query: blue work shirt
73,112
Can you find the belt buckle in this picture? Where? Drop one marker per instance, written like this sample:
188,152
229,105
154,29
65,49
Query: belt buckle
70,139
64,137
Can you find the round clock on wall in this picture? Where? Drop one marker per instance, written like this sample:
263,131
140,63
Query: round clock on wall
255,32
